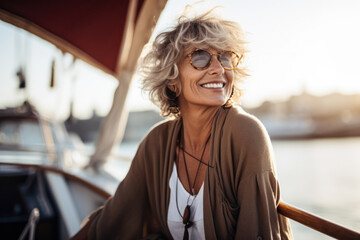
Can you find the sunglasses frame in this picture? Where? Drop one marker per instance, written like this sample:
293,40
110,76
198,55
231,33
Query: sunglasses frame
218,57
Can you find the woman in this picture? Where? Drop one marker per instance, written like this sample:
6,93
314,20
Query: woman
208,173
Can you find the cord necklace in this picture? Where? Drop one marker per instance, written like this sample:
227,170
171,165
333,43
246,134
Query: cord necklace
187,213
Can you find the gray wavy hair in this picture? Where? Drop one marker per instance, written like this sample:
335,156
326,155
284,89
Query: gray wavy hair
159,67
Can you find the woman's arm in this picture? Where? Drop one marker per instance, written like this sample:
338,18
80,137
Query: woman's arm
258,192
258,217
122,216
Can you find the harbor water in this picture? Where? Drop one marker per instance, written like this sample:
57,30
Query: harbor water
321,176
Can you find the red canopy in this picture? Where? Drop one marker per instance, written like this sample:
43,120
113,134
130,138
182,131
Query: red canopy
109,34
97,32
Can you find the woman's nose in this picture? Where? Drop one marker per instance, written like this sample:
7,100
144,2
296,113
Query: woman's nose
215,66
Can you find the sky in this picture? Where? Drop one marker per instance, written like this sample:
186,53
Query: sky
310,45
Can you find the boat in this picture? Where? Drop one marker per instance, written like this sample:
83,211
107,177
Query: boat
48,196
37,192
46,199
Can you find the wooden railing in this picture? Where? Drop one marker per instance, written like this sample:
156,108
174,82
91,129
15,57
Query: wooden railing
319,224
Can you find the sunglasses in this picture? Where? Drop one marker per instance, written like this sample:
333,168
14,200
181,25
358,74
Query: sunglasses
201,59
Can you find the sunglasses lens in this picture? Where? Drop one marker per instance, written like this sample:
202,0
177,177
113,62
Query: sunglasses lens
200,59
229,60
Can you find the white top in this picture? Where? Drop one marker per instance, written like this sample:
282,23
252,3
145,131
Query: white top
176,226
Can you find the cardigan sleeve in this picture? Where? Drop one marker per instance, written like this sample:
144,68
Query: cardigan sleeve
258,218
257,187
122,216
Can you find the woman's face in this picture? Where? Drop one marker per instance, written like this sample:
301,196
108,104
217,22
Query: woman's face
210,87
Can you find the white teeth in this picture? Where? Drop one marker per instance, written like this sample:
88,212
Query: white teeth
213,85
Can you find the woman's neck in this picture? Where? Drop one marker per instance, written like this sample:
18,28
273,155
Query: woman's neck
197,126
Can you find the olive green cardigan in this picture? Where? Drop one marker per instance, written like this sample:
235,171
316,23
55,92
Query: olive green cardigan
241,191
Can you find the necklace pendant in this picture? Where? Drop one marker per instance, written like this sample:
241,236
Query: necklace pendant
186,216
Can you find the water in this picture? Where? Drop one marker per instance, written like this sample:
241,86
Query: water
319,176
322,177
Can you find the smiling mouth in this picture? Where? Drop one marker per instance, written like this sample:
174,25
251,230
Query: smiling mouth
213,85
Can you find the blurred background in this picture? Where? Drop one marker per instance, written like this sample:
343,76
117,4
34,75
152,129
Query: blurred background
304,86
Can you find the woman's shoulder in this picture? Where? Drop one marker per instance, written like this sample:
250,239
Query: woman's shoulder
248,134
238,119
161,129
243,127
157,137
163,126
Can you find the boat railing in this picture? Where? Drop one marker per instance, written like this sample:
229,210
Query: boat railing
317,223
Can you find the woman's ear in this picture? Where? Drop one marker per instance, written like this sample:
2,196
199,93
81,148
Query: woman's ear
174,86
171,87
170,93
